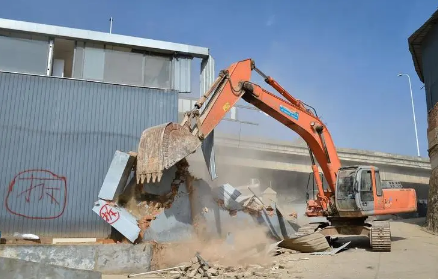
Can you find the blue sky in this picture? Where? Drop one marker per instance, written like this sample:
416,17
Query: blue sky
342,57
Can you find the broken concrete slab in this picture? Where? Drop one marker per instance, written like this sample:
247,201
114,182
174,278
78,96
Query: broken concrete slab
174,223
117,175
119,218
228,195
314,242
333,251
14,268
116,258
71,256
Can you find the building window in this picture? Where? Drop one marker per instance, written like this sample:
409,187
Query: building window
23,53
121,65
94,63
63,53
157,71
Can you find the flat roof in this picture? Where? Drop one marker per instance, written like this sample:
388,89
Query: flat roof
88,35
416,41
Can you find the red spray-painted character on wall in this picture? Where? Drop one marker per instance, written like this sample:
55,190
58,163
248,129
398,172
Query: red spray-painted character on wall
37,194
109,214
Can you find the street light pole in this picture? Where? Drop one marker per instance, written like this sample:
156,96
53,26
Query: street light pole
413,111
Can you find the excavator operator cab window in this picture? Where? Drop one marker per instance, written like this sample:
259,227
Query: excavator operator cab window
346,184
346,189
366,186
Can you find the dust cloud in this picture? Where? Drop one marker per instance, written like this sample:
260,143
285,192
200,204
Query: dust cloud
248,246
291,187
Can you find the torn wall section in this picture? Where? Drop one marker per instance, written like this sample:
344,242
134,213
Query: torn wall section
145,212
180,207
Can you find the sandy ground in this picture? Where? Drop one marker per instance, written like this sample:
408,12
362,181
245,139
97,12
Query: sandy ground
414,256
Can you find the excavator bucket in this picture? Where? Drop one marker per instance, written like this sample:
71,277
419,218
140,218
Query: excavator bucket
162,146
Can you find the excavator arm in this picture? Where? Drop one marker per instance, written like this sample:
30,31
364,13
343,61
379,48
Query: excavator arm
234,84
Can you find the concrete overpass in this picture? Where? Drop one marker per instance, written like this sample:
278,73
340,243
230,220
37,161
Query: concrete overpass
286,165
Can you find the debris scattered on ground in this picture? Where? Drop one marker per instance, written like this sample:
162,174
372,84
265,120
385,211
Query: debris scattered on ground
231,199
199,268
170,269
285,251
314,242
332,251
27,236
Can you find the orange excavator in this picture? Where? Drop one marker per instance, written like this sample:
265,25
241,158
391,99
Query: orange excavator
354,193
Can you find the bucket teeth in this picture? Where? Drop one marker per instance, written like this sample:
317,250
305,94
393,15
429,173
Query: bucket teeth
150,177
162,146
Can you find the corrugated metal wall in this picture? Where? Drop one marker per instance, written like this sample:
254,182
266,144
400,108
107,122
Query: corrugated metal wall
58,137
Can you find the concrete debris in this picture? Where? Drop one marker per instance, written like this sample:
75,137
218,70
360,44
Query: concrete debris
314,242
233,200
201,260
155,271
219,271
197,267
333,251
281,251
116,198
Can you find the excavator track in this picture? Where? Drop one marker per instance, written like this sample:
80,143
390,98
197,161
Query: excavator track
380,236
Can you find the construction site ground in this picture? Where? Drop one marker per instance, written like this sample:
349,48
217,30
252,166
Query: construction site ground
414,255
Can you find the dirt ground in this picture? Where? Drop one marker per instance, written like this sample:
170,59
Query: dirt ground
414,255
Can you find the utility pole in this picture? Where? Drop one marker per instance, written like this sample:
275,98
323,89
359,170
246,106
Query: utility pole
413,112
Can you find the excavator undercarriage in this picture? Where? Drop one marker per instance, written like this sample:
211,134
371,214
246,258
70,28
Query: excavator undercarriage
378,232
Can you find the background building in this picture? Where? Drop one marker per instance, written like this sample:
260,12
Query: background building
423,45
68,99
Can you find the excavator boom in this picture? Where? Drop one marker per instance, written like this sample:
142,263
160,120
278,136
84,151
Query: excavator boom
162,146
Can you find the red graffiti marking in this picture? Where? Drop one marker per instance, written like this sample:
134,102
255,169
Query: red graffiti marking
108,214
37,194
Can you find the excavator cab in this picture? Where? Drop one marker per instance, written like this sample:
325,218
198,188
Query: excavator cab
357,189
359,193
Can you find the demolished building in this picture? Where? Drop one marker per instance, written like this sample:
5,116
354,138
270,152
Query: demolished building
70,98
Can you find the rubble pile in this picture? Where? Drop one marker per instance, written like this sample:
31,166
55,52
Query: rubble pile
197,269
